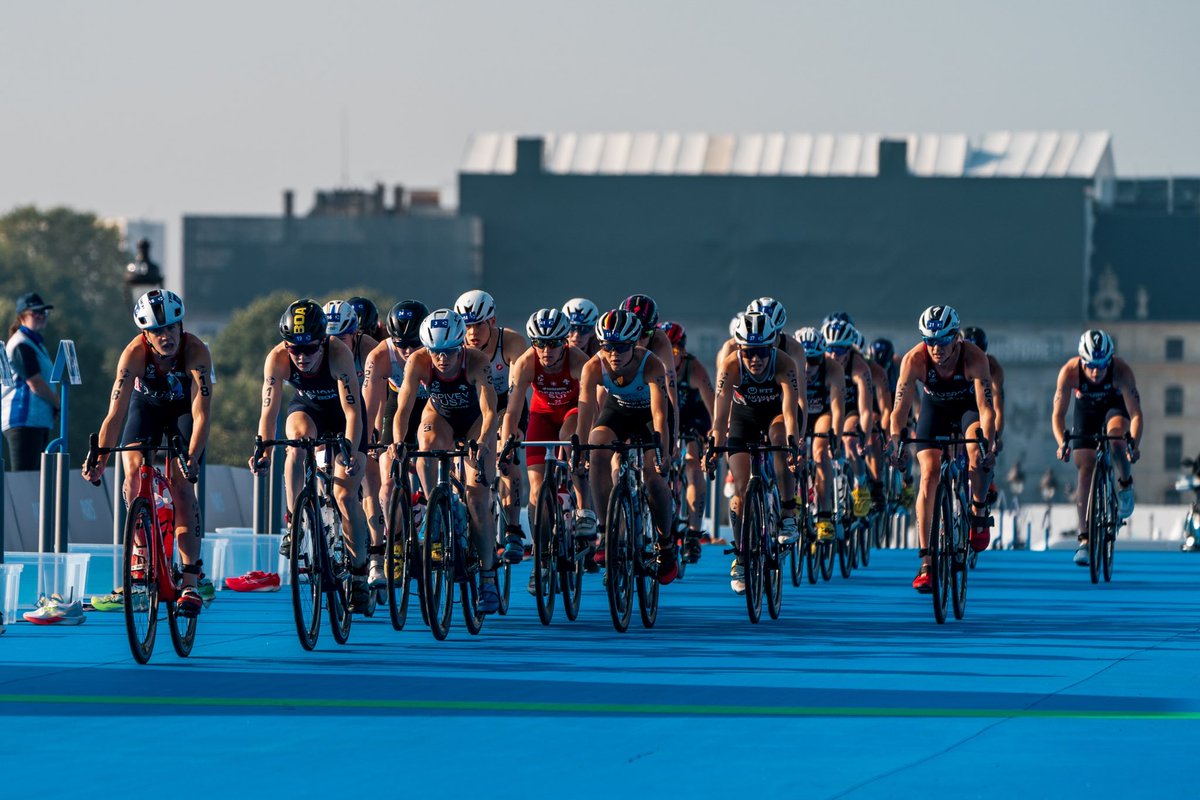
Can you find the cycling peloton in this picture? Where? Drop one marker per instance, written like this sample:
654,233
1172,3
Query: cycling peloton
502,346
383,375
825,387
1106,402
841,339
758,399
162,388
461,406
321,370
634,411
956,399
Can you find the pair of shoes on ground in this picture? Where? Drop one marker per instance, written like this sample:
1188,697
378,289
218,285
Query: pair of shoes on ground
53,610
254,581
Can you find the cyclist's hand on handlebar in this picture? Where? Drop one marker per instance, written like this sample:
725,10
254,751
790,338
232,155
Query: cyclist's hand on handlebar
93,471
997,443
260,461
1132,449
661,465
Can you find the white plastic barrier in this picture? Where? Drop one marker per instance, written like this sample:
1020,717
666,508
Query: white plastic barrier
11,576
244,551
214,552
63,574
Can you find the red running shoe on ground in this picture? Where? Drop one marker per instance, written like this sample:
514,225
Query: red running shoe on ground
255,581
923,583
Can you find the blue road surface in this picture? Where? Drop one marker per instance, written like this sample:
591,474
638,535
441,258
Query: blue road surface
1050,687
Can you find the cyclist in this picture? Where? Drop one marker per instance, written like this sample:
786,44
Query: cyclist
825,386
882,399
645,309
695,400
327,400
883,353
777,314
552,368
582,314
1106,401
758,399
502,346
462,406
976,336
162,388
956,398
634,409
383,374
841,338
368,318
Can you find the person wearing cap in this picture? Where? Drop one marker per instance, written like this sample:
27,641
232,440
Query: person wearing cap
30,407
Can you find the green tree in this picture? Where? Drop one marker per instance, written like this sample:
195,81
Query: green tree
76,263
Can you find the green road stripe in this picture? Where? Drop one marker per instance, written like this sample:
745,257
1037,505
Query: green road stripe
588,708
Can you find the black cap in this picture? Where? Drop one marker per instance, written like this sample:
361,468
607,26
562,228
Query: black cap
31,302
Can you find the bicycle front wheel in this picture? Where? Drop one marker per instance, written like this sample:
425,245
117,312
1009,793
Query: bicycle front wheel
140,583
1097,518
398,564
753,532
183,629
547,519
960,565
941,551
437,570
646,568
305,568
618,558
337,590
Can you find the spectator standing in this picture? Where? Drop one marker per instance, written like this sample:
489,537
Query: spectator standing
30,408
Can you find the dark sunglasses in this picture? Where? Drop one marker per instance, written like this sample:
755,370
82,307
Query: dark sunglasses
303,349
838,352
814,361
617,347
549,344
756,352
940,341
581,328
406,344
1097,364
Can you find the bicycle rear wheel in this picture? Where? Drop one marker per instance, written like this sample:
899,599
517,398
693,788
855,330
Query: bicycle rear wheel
646,569
337,592
183,629
437,569
869,536
547,519
773,563
398,564
960,564
503,568
1112,523
827,554
305,568
1096,518
618,558
140,582
845,552
753,533
940,553
570,567
470,585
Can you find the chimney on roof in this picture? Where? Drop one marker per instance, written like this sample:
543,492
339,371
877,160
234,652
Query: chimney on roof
893,158
398,199
289,203
530,152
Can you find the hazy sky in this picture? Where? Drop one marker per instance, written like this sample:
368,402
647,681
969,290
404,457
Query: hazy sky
151,109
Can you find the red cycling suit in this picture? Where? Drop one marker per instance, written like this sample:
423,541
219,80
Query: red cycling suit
555,397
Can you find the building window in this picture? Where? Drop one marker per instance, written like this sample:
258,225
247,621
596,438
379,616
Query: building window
1174,401
1172,451
1174,349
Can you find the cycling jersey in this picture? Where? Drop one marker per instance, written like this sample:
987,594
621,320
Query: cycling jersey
161,403
851,391
395,381
694,418
627,409
948,404
456,399
1095,404
554,393
756,404
498,372
167,386
816,392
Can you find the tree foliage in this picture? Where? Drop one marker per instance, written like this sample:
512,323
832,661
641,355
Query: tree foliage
77,265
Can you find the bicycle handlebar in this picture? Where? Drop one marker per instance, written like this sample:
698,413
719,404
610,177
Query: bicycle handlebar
174,448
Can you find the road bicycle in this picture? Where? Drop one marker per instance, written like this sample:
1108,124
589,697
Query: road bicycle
1103,518
152,567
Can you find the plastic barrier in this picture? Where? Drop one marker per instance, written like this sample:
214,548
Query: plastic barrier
10,575
63,574
246,551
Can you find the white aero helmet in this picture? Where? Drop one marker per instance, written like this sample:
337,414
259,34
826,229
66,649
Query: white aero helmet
581,311
755,329
839,333
812,341
1096,347
938,321
340,318
444,329
733,323
157,308
772,308
475,306
547,324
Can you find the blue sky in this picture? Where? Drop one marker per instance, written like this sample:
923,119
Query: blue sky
159,109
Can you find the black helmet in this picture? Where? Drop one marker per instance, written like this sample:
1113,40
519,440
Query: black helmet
404,321
975,336
883,352
302,323
838,316
644,308
368,315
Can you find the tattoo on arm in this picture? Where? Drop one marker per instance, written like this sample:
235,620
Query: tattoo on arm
345,379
